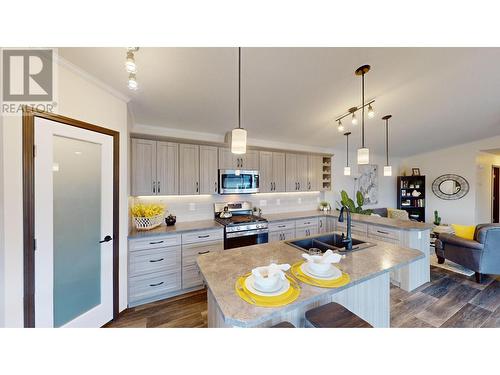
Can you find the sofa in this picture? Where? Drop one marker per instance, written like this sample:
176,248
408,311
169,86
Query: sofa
481,254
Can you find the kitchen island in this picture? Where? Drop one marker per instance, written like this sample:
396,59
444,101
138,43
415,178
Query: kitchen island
367,294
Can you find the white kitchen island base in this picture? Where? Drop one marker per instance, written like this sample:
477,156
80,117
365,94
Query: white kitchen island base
369,300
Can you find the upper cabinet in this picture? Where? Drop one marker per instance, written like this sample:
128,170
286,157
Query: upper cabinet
209,170
189,169
143,167
167,168
314,172
271,171
228,160
296,172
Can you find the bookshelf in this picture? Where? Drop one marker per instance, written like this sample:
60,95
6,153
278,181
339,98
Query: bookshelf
411,196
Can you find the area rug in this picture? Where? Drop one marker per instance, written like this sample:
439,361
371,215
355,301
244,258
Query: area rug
450,266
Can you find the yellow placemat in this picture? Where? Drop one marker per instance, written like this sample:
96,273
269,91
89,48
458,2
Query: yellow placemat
341,281
275,301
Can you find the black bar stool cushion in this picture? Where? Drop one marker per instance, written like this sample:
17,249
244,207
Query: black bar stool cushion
333,315
283,325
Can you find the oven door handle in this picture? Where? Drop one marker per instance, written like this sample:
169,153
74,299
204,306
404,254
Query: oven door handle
246,233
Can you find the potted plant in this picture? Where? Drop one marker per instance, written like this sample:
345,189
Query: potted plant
324,206
349,203
147,216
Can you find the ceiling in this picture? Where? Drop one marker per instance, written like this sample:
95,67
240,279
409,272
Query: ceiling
438,96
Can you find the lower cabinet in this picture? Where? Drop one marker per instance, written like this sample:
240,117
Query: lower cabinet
165,266
282,235
306,231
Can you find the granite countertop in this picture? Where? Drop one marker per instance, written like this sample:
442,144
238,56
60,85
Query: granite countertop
222,269
186,226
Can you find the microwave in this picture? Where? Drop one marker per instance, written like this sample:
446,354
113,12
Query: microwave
238,181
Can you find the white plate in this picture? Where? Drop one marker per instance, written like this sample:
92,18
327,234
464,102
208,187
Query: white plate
332,274
285,285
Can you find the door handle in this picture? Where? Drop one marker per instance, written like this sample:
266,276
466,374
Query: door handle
106,239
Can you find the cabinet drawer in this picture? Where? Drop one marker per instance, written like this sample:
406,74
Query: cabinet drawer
191,277
155,242
359,228
311,221
191,251
281,225
201,236
383,232
147,261
384,239
155,284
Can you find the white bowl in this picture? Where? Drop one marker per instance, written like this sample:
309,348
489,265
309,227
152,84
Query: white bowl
317,267
264,281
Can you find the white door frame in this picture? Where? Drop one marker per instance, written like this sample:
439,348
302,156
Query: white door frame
29,115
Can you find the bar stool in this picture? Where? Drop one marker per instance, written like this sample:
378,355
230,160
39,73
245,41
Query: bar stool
333,315
283,325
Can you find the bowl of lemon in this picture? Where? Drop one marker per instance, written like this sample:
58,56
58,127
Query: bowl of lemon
147,216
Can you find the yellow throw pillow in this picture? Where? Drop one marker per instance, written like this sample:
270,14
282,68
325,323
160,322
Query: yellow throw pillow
464,231
393,213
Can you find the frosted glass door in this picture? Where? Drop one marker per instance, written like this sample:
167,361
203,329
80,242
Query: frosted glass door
73,214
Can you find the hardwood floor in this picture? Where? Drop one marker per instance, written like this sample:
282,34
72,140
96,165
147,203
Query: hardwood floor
449,300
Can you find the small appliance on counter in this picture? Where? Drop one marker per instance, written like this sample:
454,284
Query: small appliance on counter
241,226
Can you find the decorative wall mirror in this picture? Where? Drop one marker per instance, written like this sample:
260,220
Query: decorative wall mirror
450,186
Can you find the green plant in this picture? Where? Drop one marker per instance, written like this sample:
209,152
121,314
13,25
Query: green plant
323,204
349,203
437,218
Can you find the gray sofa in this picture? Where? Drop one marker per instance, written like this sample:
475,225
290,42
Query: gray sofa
482,254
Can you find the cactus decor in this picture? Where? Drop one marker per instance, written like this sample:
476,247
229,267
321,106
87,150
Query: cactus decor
349,203
437,219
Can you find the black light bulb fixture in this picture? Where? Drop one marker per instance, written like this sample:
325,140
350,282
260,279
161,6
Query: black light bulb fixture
387,168
239,135
347,168
363,152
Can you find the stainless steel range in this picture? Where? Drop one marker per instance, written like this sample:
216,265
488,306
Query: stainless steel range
241,226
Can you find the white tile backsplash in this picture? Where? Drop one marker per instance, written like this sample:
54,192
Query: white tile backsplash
201,207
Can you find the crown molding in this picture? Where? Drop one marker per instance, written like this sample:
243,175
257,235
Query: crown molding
90,78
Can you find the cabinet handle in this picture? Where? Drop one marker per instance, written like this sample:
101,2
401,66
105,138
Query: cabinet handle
274,184
299,185
321,223
281,226
158,186
154,186
307,222
382,232
204,236
215,189
156,260
155,243
157,284
203,252
197,186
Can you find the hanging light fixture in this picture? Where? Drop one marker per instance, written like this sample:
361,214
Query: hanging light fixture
371,112
239,135
387,168
340,127
354,119
347,169
363,152
131,68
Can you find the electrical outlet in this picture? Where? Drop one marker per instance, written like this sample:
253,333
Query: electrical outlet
278,202
192,206
263,203
299,201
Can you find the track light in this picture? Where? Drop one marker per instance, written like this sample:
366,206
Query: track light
371,112
130,65
340,127
354,119
132,82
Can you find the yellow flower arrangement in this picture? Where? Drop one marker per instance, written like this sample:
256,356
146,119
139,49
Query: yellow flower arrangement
147,210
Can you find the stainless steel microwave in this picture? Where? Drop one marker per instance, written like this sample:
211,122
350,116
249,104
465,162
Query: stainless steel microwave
236,181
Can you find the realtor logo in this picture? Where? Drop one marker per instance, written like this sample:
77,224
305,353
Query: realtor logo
27,75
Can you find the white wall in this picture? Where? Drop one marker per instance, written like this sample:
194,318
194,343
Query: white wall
467,161
80,98
387,185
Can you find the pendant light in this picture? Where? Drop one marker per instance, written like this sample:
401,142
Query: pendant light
239,135
347,169
387,168
363,152
340,127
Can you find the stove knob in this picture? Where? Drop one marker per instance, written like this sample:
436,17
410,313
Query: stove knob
238,228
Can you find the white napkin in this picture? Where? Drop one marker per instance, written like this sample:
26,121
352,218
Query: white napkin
272,269
328,257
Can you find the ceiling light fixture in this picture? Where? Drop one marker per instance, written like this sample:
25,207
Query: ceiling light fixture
340,127
352,112
347,169
131,67
371,112
363,152
354,119
387,168
239,135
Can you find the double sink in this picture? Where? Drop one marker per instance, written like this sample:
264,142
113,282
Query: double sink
329,241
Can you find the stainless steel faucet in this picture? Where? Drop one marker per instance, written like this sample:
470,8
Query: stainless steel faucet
348,240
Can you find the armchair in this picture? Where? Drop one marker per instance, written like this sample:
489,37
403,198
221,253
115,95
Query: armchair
482,254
